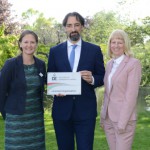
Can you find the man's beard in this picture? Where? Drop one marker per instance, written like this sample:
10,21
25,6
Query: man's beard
74,36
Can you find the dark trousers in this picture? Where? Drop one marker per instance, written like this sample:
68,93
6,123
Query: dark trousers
68,130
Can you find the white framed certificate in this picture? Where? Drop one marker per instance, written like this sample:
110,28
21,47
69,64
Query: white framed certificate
67,83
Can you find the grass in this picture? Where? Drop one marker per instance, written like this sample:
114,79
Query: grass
141,140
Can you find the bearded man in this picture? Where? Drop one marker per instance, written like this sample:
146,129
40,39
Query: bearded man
74,116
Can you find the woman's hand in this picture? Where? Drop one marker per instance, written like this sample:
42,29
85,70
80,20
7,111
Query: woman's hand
102,123
120,130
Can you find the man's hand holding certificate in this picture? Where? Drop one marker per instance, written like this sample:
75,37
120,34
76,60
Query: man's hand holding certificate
66,83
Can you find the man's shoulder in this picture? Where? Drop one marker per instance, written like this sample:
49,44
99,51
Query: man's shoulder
90,44
59,45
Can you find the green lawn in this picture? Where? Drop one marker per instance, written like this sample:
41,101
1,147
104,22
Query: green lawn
141,140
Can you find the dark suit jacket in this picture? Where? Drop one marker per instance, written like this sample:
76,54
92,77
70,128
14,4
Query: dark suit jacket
13,85
80,106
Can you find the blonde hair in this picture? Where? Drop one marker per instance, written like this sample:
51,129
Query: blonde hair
120,34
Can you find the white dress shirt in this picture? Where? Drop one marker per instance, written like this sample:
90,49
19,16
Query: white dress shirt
116,63
77,53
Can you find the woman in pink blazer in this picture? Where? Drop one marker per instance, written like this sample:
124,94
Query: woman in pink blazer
121,81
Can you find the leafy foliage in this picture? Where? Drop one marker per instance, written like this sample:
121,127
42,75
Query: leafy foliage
97,29
4,11
100,26
136,33
11,26
147,98
8,48
48,30
146,25
143,54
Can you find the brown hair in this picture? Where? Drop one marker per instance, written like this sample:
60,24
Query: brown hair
24,33
74,14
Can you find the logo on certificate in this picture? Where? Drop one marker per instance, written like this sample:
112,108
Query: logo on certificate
54,77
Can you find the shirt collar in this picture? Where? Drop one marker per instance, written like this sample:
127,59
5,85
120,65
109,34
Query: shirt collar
70,44
119,59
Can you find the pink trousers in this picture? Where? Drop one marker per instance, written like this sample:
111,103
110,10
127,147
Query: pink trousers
118,141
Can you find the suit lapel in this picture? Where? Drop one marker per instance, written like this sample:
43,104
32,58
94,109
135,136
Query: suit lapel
83,55
20,69
64,56
118,71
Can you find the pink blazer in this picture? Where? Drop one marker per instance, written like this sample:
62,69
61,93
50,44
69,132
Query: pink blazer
120,101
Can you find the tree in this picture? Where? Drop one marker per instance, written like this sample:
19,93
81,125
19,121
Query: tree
45,29
28,18
4,11
5,18
136,33
8,46
100,26
48,29
140,41
146,26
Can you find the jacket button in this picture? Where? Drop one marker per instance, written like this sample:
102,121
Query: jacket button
74,97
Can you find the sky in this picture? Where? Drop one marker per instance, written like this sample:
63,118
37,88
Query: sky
59,8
